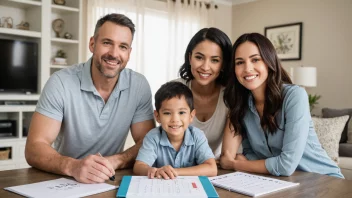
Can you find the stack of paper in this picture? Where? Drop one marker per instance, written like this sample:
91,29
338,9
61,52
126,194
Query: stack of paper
250,184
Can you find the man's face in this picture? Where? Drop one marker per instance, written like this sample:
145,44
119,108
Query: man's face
111,49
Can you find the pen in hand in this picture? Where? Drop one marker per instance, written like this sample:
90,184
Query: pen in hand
112,178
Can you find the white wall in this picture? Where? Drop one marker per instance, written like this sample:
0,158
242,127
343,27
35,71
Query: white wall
326,44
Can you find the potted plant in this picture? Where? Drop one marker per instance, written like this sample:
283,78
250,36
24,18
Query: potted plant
60,58
313,100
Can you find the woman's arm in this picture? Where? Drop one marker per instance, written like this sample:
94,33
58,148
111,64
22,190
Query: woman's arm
297,120
230,145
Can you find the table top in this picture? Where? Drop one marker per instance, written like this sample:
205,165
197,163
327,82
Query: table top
311,184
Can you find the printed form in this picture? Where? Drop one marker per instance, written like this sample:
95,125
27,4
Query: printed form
189,186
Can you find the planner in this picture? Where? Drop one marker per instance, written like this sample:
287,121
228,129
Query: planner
182,186
249,184
58,188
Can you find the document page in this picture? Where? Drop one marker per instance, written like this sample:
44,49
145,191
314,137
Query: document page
60,188
189,186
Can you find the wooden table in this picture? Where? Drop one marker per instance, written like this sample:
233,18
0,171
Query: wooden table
311,184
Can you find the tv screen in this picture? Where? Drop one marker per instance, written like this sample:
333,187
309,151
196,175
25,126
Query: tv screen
18,66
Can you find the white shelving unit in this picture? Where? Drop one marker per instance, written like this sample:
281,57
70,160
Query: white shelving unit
39,14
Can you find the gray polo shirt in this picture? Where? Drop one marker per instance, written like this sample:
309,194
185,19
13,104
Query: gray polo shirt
157,151
89,125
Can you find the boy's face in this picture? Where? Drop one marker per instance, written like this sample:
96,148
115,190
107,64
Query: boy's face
175,116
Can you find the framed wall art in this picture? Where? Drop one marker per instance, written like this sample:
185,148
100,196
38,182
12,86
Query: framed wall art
287,40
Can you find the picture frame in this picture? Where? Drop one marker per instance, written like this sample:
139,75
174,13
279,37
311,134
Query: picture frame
287,40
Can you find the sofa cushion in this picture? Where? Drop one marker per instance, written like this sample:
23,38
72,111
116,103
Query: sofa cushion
330,113
345,150
329,132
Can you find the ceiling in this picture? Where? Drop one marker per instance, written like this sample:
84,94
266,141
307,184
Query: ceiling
234,2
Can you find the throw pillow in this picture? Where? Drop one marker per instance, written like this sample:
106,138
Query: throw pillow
329,132
331,113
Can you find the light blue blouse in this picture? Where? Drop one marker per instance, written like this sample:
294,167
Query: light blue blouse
295,145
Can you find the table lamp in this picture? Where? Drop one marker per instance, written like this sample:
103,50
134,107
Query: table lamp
304,76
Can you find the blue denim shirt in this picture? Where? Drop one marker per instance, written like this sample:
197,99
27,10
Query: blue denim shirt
157,151
295,145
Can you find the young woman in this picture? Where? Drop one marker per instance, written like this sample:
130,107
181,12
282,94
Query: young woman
207,60
271,114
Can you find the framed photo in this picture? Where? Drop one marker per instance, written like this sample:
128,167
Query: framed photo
287,40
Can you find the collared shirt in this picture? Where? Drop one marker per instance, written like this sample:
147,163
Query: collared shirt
157,150
89,125
295,145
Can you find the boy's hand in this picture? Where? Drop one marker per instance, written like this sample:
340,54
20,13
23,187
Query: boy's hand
152,172
166,172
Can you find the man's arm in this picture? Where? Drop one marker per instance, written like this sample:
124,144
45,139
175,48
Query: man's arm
39,153
127,158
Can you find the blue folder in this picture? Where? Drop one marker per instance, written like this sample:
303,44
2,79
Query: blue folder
208,187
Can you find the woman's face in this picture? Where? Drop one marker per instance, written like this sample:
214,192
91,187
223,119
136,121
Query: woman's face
206,61
250,69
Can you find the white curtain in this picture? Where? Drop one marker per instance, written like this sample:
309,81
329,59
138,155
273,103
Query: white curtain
162,33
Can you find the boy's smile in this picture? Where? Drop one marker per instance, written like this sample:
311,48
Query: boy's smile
174,116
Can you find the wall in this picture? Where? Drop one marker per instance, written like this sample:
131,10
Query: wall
326,40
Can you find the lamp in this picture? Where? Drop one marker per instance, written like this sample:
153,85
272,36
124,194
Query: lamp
304,76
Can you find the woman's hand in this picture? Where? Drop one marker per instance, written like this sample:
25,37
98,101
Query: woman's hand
227,161
241,157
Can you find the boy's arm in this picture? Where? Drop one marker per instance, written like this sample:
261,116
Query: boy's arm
141,168
207,168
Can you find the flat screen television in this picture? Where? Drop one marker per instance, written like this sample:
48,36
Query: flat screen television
18,66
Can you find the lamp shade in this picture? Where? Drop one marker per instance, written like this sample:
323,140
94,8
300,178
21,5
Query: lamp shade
305,76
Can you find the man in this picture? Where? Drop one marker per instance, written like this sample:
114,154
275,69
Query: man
88,109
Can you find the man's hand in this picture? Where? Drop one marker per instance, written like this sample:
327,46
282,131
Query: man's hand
227,161
116,161
166,172
92,169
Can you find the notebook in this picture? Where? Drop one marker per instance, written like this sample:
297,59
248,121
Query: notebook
249,184
182,186
60,188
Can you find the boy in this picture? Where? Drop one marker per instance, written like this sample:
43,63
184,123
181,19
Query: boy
174,148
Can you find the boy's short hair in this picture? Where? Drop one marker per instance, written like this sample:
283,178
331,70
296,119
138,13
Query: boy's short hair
171,90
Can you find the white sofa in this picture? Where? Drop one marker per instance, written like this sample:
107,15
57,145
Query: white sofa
345,164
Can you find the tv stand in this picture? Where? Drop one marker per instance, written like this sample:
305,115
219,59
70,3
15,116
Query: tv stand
39,14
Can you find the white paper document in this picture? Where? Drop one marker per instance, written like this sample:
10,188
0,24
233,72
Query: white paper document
189,186
60,188
249,184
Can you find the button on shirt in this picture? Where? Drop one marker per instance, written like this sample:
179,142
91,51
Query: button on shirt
295,145
157,151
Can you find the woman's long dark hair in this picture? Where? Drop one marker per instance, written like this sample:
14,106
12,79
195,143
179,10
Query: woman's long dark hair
236,95
222,40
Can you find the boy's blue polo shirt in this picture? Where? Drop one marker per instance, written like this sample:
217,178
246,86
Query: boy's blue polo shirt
157,150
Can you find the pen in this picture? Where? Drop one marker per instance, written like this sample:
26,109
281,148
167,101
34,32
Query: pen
112,178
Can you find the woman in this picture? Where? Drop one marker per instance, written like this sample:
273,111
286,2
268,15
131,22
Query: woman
271,114
207,58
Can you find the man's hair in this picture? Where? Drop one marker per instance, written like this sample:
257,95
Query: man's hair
118,19
171,90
